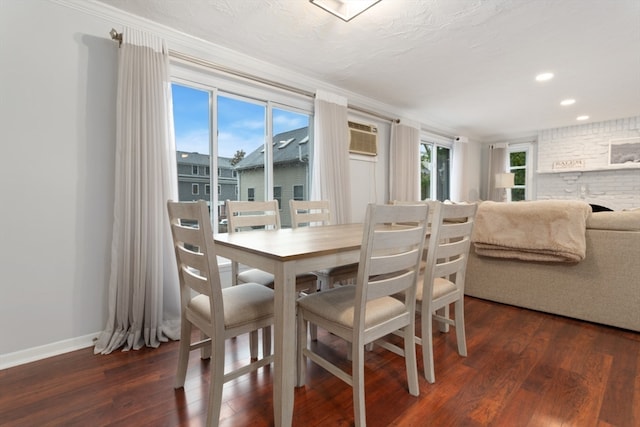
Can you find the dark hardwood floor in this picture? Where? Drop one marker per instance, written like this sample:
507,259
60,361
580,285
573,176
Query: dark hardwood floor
524,369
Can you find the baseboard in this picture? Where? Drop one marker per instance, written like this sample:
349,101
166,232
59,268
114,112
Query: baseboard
49,350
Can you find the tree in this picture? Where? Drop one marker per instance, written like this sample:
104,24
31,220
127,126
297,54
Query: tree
237,157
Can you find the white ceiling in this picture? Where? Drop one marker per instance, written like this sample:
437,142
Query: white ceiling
467,66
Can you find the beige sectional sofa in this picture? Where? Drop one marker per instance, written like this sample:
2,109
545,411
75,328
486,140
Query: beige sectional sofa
604,287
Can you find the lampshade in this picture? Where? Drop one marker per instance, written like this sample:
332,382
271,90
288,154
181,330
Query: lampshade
505,180
345,9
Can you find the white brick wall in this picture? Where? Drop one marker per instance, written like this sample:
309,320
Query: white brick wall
597,183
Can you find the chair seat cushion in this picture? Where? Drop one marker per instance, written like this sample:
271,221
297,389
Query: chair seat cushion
243,304
254,275
337,306
440,287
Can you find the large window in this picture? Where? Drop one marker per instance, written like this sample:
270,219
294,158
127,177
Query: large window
257,145
435,175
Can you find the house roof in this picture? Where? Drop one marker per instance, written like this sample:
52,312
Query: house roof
288,147
192,158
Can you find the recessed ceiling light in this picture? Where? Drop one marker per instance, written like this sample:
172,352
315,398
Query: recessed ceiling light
581,118
568,102
345,9
544,77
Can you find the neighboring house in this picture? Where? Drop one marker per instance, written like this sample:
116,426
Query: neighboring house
194,179
227,185
290,171
193,176
245,180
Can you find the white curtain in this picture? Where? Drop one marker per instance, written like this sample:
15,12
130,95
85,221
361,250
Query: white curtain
459,192
497,164
143,302
404,161
331,177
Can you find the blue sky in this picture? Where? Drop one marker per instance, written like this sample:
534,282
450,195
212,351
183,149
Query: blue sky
241,124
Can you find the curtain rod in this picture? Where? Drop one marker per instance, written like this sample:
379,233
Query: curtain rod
237,73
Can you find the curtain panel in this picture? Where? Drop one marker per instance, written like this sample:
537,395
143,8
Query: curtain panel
143,300
497,164
404,161
330,173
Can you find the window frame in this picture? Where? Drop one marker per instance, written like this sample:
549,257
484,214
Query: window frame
217,83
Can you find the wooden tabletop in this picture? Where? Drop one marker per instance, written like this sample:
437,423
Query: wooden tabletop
289,244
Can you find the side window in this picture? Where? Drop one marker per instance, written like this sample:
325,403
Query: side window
195,189
520,165
251,194
298,192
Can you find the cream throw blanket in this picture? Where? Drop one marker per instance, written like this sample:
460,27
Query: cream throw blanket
542,230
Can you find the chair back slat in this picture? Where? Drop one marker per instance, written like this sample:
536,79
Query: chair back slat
309,212
243,215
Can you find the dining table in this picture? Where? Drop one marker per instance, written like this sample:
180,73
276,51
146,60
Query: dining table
286,253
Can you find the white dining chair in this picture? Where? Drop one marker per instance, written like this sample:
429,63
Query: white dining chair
442,280
245,216
318,213
219,313
361,314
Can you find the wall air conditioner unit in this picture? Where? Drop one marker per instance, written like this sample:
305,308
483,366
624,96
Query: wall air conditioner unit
363,139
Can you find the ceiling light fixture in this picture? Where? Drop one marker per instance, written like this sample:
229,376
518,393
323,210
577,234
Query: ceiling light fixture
544,77
345,9
566,102
581,118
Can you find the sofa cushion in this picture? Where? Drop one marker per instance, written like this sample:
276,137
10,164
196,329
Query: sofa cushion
617,220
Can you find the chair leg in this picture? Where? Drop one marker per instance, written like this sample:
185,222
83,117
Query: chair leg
427,346
313,329
444,312
183,352
266,341
253,344
216,383
205,352
358,384
460,333
301,344
410,359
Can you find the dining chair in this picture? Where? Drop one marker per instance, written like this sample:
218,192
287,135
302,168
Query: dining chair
251,215
442,280
432,204
361,314
255,215
318,212
219,313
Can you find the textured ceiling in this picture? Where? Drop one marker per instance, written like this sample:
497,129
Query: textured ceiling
467,66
